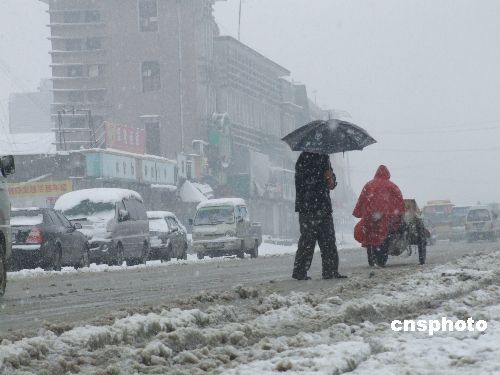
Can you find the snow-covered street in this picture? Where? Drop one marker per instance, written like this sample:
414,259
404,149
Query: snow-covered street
247,317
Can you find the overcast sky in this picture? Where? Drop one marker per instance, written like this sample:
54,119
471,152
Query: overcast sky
422,76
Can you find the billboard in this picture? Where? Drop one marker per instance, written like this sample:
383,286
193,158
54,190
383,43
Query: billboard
38,194
125,138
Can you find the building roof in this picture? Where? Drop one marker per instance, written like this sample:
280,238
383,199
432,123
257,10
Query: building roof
282,71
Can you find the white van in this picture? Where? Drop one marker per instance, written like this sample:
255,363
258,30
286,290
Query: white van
481,223
222,227
114,221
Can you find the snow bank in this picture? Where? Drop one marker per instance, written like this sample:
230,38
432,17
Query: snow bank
308,332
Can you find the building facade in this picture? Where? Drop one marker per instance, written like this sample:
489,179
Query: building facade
141,63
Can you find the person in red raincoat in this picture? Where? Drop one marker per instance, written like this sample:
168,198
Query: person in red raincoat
380,207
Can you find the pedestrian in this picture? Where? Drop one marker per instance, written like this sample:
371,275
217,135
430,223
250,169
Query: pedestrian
314,179
381,208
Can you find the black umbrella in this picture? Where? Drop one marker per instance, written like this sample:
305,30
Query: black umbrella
328,137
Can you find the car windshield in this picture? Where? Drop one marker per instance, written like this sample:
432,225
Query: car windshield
158,225
478,215
215,215
87,208
458,215
26,217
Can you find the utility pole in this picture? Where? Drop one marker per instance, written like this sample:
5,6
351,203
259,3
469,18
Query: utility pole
181,78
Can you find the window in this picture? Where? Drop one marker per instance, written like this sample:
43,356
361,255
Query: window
148,15
172,223
96,71
117,167
96,96
75,96
53,217
146,171
75,71
150,76
124,168
65,222
132,169
92,16
72,17
93,44
135,209
73,44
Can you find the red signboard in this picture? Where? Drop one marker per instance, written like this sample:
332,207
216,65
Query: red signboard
125,138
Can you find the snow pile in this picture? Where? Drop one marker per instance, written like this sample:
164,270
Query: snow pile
325,332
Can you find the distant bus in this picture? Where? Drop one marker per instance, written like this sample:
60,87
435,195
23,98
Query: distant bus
438,218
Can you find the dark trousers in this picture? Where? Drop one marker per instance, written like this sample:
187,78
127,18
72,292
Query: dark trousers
312,229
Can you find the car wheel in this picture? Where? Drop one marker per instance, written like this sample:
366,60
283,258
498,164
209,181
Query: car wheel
200,255
255,251
85,260
56,262
3,269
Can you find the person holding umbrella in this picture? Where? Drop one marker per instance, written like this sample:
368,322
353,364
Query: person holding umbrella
314,179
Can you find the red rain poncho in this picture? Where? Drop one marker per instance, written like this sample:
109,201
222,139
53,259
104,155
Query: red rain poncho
380,207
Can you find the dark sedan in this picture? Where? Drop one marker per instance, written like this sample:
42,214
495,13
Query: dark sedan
42,237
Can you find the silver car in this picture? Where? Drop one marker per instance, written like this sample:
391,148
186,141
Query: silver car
114,221
168,236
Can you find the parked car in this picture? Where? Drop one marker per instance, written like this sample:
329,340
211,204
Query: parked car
7,167
168,236
42,237
481,223
458,216
114,221
223,227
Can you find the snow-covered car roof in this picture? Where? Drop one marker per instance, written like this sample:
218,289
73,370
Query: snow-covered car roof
222,202
159,214
97,195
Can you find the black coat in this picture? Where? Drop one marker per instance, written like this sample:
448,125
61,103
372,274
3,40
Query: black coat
311,188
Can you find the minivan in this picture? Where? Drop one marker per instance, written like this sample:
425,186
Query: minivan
481,223
223,227
7,167
114,221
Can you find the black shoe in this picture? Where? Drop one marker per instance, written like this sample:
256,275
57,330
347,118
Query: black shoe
334,275
301,277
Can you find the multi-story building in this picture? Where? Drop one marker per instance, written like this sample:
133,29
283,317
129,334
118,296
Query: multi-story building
257,106
140,63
